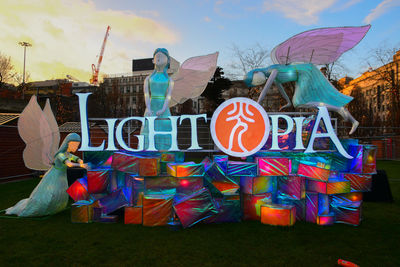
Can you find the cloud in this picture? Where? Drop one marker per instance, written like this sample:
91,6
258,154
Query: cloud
380,9
66,36
207,19
346,5
304,12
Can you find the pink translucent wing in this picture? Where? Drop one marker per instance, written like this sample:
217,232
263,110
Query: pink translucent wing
54,135
32,125
192,78
318,46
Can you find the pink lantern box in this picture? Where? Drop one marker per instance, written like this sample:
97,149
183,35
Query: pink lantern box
186,169
273,166
125,163
292,186
78,190
328,219
316,204
359,182
258,185
97,181
277,214
251,205
313,172
240,168
149,166
330,187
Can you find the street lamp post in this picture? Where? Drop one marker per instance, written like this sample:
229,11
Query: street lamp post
25,45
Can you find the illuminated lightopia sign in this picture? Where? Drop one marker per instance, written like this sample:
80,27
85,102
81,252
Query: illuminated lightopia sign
239,127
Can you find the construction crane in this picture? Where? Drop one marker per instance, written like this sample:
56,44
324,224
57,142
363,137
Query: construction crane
95,70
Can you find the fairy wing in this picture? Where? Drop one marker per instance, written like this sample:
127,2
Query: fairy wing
35,131
55,132
318,46
192,78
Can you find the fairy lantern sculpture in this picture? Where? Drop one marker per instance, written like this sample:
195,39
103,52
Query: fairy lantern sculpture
295,61
40,132
162,91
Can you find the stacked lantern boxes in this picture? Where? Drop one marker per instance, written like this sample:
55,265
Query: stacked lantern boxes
276,188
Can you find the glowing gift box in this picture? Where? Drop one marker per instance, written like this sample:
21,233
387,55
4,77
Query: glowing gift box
364,159
292,186
239,168
277,214
316,204
133,215
113,201
258,185
195,208
228,210
157,209
185,169
345,198
125,162
328,219
348,213
359,182
222,161
299,204
78,190
251,205
332,186
98,159
167,157
137,185
82,211
97,181
117,180
149,166
226,188
313,172
215,173
207,162
273,166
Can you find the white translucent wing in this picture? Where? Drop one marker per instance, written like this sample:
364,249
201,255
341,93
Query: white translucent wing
318,46
32,126
55,133
192,78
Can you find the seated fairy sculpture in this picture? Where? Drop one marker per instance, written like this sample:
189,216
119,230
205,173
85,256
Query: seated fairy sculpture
294,62
162,91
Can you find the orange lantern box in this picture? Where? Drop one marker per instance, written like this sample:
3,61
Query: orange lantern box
277,214
82,211
157,209
133,215
185,169
149,166
313,172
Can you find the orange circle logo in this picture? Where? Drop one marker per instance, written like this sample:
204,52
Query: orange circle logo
240,127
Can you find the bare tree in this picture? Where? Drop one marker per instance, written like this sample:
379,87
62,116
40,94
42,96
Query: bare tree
246,59
7,72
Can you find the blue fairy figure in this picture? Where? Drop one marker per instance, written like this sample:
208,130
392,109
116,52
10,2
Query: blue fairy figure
294,62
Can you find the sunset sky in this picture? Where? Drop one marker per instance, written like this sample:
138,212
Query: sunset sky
66,36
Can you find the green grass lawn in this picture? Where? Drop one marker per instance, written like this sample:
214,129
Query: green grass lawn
56,241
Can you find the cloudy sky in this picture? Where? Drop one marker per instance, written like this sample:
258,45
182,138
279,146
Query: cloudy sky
67,35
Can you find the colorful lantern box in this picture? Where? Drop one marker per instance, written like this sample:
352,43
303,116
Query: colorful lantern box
186,169
78,190
157,209
97,181
348,213
117,180
323,204
332,186
278,214
345,198
167,157
313,172
226,188
328,219
207,162
258,185
195,208
291,186
239,168
98,159
125,162
251,205
109,218
113,201
183,185
364,159
82,211
359,182
215,173
133,215
273,166
312,207
149,166
299,204
228,210
221,161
